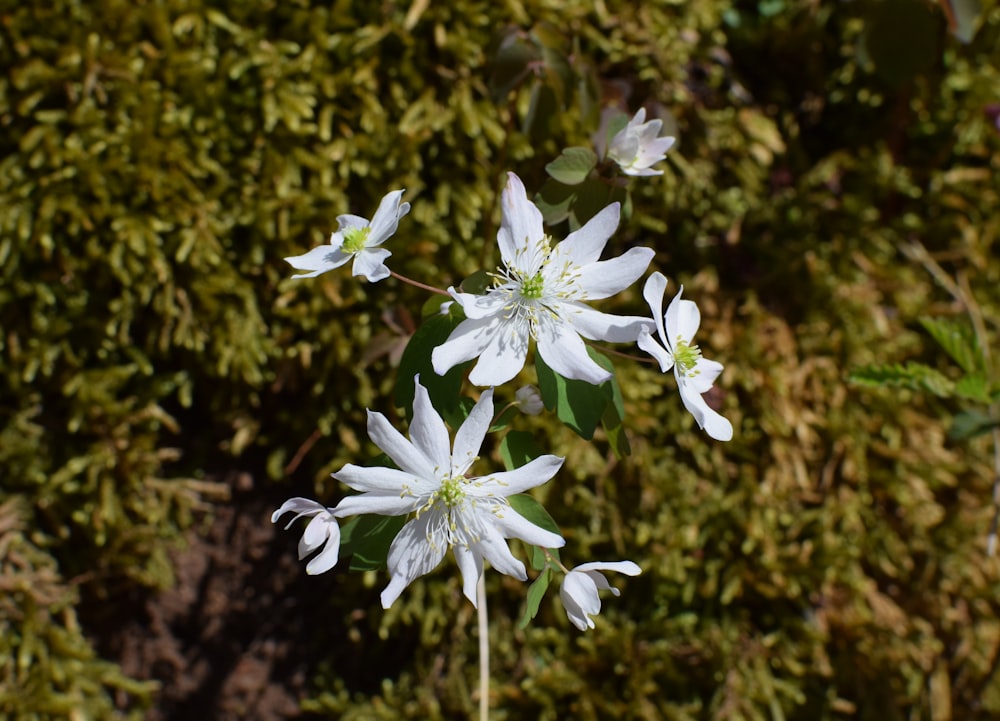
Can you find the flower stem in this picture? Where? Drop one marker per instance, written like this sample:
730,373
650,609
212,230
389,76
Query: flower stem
484,650
618,353
418,284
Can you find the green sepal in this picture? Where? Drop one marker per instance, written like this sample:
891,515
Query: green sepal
366,539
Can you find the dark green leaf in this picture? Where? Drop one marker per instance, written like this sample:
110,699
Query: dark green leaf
554,200
532,510
445,391
578,404
971,423
517,448
367,539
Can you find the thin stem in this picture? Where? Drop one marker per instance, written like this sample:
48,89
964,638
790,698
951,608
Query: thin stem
484,650
418,284
603,349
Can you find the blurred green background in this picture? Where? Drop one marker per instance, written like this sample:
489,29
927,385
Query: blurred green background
164,385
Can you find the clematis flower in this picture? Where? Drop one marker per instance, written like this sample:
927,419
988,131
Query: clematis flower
471,516
636,146
539,294
322,532
359,239
529,400
694,373
579,591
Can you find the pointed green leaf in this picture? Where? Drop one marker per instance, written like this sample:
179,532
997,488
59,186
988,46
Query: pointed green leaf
915,376
975,387
957,340
518,448
367,539
573,166
578,404
536,592
531,509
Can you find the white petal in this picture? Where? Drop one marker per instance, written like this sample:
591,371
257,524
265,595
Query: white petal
386,218
585,245
595,325
470,435
316,534
579,597
513,525
607,277
327,558
503,357
653,291
348,222
563,351
403,453
682,319
428,431
470,563
627,567
521,221
300,507
703,375
318,260
479,306
370,263
377,479
493,547
661,354
411,556
380,503
506,483
466,342
714,424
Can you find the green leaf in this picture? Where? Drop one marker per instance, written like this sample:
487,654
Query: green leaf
915,376
573,166
975,387
445,391
477,283
957,340
518,448
971,423
367,539
592,196
532,510
536,592
578,404
555,200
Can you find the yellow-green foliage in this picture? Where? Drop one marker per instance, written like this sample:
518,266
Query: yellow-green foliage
159,159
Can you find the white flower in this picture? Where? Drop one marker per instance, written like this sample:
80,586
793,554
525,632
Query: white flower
529,400
359,239
539,293
579,590
472,516
321,531
635,147
694,373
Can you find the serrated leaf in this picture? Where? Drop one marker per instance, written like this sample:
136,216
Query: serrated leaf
518,448
915,376
367,539
536,592
957,340
971,423
975,387
572,166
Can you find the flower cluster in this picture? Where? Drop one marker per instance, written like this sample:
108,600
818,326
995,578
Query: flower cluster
540,295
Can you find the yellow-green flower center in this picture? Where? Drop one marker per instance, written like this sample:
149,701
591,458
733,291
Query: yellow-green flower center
686,356
354,239
533,287
452,491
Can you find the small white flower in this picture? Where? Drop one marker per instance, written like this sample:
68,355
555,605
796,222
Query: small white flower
472,516
529,400
579,590
636,146
359,239
322,531
538,294
694,373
